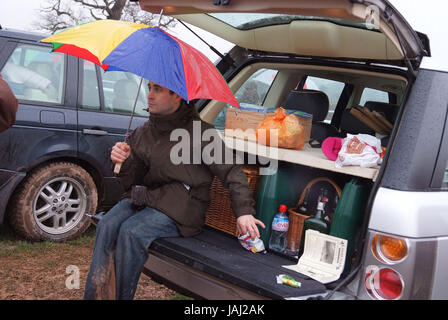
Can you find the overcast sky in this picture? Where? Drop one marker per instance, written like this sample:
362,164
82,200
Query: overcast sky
18,13
21,13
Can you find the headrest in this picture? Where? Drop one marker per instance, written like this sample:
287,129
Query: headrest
388,110
309,101
351,124
322,130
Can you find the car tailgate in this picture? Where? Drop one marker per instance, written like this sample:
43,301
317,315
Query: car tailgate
218,255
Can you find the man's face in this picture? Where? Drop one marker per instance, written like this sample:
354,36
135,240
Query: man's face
161,100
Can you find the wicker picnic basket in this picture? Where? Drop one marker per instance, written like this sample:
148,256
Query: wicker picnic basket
297,220
220,214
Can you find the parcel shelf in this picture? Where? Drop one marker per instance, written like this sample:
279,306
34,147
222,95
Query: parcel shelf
308,156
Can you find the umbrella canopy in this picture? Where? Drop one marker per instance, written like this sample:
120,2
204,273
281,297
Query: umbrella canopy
146,51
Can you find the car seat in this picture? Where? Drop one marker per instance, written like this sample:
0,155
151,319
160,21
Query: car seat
388,110
316,103
43,69
351,124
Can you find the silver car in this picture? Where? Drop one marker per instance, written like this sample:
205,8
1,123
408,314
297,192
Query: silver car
356,54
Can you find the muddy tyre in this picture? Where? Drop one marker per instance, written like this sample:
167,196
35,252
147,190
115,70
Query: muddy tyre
51,204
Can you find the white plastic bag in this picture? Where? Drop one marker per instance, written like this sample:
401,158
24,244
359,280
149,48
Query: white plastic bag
359,150
254,246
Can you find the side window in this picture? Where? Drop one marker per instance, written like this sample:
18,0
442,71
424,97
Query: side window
35,74
331,88
255,89
120,91
369,94
90,98
252,93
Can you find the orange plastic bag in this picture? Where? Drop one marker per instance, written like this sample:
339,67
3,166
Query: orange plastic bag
281,130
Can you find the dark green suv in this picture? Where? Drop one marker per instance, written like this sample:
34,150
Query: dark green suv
54,162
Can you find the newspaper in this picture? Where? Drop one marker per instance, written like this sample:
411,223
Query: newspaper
323,258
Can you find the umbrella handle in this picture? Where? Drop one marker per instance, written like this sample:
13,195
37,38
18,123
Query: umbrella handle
117,167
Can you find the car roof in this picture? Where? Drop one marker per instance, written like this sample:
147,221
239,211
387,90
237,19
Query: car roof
20,34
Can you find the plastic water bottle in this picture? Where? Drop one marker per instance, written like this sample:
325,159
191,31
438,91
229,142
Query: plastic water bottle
280,226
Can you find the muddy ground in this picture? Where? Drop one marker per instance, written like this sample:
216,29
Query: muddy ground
46,270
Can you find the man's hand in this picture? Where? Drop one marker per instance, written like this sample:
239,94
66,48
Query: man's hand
120,152
248,223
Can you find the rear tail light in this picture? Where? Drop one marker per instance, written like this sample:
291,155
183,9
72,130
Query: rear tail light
383,283
389,249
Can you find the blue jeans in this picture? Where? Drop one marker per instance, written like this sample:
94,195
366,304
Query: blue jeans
123,237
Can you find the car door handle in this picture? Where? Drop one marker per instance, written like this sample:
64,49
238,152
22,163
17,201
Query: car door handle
95,132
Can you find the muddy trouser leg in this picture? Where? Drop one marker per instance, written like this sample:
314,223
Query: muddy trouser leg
100,282
135,236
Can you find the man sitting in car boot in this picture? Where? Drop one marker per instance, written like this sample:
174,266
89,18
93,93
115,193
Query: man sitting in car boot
162,199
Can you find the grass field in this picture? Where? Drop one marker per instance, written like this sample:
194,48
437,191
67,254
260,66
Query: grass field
40,270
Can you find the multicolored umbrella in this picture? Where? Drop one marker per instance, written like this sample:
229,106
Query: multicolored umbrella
146,51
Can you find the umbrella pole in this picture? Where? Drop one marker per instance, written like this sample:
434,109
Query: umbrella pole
160,18
117,167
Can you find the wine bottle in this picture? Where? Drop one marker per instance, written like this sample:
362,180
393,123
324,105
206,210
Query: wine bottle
304,207
317,222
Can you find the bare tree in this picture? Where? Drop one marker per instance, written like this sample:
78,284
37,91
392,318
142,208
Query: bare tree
132,12
61,14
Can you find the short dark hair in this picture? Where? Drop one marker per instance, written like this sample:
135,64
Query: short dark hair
181,99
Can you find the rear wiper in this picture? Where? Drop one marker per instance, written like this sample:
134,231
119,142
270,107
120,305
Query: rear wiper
221,2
